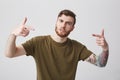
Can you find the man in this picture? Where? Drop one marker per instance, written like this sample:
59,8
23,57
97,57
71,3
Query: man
57,56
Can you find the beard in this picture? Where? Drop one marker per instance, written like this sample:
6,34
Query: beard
62,34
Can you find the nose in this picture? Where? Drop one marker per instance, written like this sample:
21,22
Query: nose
63,24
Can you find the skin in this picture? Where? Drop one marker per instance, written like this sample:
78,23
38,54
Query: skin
100,60
64,25
11,49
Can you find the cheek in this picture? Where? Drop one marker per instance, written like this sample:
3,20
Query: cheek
57,25
69,29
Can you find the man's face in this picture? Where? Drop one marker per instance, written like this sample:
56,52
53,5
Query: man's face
64,25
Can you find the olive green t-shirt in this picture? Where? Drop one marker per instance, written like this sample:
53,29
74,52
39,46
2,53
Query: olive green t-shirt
55,61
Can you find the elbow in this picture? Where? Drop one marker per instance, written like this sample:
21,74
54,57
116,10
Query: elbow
102,65
8,55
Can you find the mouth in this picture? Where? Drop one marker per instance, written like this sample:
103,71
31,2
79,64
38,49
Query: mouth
62,30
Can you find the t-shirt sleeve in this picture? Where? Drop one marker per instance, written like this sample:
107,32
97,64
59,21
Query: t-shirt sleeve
29,47
85,53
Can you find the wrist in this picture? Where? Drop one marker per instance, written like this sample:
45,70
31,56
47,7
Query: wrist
12,34
106,49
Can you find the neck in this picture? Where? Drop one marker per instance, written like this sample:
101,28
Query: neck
59,39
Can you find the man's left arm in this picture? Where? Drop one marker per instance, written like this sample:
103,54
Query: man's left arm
101,59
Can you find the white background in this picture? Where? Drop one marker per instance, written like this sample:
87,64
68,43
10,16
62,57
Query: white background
92,17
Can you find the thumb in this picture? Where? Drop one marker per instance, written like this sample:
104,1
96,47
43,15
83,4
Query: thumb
102,33
24,21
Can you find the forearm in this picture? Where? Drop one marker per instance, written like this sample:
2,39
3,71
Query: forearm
102,58
11,46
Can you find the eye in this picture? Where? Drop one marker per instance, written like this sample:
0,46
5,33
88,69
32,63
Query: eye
69,23
60,20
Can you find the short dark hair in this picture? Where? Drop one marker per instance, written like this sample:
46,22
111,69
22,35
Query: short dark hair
68,13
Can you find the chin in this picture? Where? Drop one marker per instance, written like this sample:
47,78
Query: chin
62,35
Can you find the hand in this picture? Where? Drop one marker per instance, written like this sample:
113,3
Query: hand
23,30
100,40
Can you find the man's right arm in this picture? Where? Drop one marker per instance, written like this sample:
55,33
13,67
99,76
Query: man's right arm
11,49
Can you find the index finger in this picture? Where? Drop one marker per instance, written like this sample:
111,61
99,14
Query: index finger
96,35
24,21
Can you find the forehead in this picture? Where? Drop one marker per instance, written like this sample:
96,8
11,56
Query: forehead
66,18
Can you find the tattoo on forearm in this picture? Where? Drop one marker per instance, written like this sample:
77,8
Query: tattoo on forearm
102,59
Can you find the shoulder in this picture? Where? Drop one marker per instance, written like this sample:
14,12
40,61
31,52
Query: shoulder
75,42
38,38
41,37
